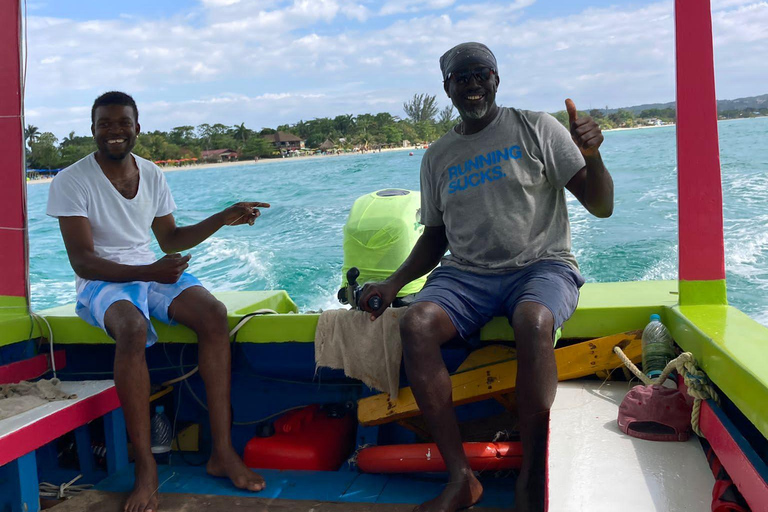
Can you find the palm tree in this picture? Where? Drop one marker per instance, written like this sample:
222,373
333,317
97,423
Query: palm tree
343,123
69,139
240,132
31,133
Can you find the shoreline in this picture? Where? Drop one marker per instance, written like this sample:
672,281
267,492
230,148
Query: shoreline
675,124
273,160
264,161
638,127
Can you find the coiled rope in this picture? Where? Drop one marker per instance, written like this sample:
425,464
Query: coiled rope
63,491
697,382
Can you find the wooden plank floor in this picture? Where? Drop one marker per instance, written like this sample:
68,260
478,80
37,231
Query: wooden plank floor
102,501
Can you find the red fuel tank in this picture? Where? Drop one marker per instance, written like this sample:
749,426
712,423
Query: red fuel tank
314,438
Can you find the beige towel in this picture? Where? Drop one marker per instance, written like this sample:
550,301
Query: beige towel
369,351
21,397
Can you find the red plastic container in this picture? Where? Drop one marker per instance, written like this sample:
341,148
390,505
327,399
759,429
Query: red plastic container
312,438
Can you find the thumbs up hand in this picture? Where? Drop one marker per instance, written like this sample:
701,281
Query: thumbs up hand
585,132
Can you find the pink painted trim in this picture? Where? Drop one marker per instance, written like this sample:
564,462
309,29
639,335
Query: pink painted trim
13,258
45,430
741,470
700,201
31,368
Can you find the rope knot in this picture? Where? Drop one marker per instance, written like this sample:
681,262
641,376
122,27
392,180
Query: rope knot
696,381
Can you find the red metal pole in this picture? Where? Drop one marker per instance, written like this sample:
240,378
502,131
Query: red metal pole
13,213
700,202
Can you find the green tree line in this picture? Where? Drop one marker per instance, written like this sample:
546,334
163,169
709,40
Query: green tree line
424,122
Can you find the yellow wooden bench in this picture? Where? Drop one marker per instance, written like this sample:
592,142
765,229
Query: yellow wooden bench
491,372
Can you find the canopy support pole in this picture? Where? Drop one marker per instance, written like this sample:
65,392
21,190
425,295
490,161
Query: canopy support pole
700,201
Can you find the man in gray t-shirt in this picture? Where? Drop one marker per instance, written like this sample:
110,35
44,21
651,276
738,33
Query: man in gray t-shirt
493,195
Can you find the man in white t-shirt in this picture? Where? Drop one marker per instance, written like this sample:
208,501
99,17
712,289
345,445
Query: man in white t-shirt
106,204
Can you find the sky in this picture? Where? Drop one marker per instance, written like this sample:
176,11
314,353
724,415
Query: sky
271,62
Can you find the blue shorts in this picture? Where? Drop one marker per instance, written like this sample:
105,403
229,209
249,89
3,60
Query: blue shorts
151,298
471,300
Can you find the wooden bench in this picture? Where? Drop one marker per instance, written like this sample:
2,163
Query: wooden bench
497,379
21,435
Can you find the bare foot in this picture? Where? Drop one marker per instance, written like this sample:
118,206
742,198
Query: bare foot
231,466
456,495
143,498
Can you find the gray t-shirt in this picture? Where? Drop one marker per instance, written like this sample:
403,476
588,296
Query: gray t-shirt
500,192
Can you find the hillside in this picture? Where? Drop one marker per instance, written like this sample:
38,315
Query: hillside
751,102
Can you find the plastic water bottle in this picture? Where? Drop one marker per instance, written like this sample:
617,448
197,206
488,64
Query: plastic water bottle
658,350
161,435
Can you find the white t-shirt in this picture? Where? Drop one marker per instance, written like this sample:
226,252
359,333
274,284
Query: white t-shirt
121,227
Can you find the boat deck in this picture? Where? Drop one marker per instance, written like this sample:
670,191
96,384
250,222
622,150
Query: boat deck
191,489
594,466
100,501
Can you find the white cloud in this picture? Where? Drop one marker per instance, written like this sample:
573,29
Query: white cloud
293,59
402,6
219,3
725,4
492,10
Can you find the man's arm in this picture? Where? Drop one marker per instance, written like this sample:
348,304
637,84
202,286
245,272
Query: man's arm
425,255
78,239
592,185
174,239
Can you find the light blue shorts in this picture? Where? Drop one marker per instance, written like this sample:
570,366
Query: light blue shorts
151,298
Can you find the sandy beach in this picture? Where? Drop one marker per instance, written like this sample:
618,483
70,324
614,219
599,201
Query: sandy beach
639,127
264,161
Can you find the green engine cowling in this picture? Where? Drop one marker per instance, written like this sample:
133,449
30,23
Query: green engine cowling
380,232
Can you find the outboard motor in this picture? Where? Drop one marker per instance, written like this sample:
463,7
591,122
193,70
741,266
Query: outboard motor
351,294
380,232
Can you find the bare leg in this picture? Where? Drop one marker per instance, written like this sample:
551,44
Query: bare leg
423,328
196,308
536,387
127,326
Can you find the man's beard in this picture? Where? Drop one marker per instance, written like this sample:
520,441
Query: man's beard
119,156
477,112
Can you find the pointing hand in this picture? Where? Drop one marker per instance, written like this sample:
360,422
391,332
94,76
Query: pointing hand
243,213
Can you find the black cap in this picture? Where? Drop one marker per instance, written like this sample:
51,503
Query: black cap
465,54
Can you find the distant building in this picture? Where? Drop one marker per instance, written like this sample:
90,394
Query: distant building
219,155
328,145
284,141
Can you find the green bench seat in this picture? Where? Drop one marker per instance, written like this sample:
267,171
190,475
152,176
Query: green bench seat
604,309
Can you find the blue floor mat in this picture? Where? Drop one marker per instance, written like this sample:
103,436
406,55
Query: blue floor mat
339,486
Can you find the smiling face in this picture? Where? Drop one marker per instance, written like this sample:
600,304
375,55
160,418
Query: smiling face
472,95
115,129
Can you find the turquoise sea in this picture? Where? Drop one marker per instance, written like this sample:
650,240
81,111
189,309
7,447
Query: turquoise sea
296,244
